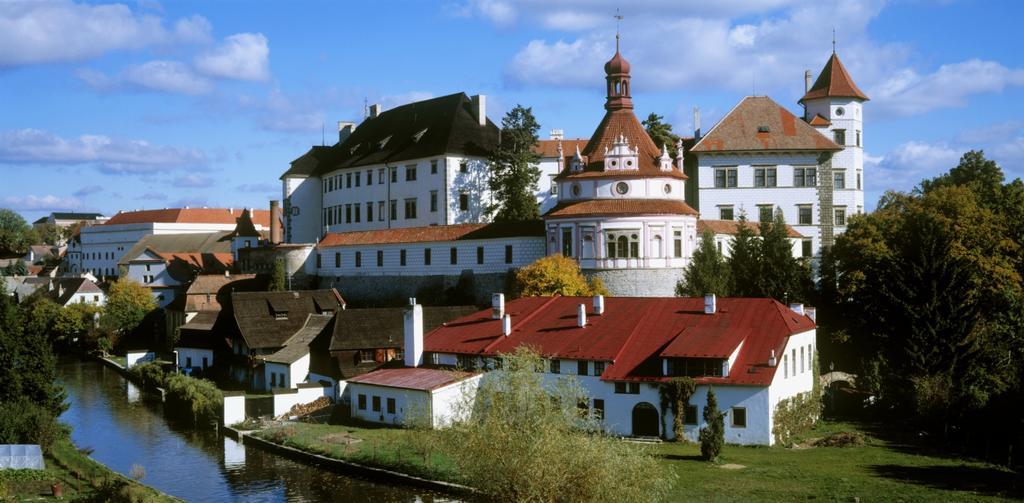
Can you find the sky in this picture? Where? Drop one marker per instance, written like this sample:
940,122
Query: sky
122,106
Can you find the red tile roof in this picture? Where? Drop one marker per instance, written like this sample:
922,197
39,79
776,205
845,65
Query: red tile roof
188,215
418,378
596,207
758,123
634,334
435,233
549,148
819,121
834,82
615,123
732,226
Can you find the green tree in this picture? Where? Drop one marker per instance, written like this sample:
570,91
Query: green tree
15,234
744,260
27,363
127,304
707,273
675,396
74,321
40,314
712,435
525,441
514,171
278,277
555,274
15,268
782,276
660,132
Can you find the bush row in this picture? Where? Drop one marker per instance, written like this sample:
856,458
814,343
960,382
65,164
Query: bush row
202,397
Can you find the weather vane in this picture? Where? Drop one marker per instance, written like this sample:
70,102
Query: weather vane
833,40
618,19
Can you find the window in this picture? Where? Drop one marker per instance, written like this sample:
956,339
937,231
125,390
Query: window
725,177
391,405
628,388
318,261
598,408
690,414
805,177
463,201
426,256
508,254
394,209
359,259
567,242
858,181
348,213
677,244
380,258
598,368
805,215
410,173
622,245
380,176
454,255
840,216
380,210
358,178
839,136
725,213
764,177
839,179
369,212
858,137
556,366
581,367
362,402
147,265
188,363
739,417
348,180
801,359
785,367
433,201
765,213
554,185
376,404
479,254
410,209
463,167
807,247
337,259
357,212
366,356
433,167
369,177
394,174
401,257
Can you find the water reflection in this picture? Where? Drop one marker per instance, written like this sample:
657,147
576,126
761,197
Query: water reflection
126,426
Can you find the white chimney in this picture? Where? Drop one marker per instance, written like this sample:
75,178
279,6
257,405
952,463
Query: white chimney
375,110
497,306
581,315
480,108
811,313
345,129
414,335
807,81
506,325
557,134
696,122
710,304
599,305
771,360
797,307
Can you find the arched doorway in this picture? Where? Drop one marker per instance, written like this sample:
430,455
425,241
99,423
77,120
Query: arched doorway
645,420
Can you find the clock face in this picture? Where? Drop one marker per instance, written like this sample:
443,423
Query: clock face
668,188
840,111
622,187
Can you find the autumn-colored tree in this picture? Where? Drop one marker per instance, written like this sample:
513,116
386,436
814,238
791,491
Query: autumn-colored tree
127,304
555,274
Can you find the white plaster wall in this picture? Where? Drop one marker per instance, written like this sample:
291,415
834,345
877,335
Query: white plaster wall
445,402
409,404
96,299
283,402
794,374
197,355
524,251
303,200
648,228
294,373
133,358
234,409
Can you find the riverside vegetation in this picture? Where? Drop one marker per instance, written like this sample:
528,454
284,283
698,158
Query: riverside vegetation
199,396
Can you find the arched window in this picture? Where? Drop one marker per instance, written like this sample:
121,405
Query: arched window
656,247
588,247
618,87
623,250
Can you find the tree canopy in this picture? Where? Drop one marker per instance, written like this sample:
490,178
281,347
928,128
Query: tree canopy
708,271
555,274
278,277
15,234
660,132
127,304
514,171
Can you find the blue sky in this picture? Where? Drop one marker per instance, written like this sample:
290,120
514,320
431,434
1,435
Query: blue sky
110,106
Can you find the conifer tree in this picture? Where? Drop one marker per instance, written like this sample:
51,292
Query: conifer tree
781,275
278,277
744,260
707,273
660,132
514,171
712,436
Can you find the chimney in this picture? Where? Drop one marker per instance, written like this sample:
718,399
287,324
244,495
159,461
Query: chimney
772,361
374,110
414,334
506,325
696,123
275,222
807,81
599,305
710,304
581,315
557,134
480,108
811,313
345,130
498,306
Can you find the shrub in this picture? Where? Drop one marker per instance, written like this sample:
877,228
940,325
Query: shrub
148,374
24,422
712,437
841,439
203,397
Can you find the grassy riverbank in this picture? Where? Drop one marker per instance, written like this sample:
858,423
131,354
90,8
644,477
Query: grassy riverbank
879,470
81,479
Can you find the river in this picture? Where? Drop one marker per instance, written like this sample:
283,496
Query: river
126,428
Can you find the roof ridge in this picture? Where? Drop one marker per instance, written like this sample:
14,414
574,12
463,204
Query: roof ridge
524,319
646,320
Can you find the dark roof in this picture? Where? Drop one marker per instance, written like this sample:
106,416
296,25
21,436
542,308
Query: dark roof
597,207
758,123
415,378
426,128
70,287
385,327
435,233
298,345
254,314
41,220
244,227
60,215
834,82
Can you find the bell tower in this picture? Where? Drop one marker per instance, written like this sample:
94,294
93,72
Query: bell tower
617,76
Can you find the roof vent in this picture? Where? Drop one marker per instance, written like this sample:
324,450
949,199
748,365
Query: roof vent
771,359
599,305
581,315
710,304
497,306
763,129
506,325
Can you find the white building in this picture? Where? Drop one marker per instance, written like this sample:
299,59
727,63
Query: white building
167,263
66,291
416,165
553,152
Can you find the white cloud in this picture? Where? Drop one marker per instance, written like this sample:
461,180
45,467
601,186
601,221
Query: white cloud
41,203
909,93
111,155
88,190
905,166
193,181
166,76
33,32
243,56
152,196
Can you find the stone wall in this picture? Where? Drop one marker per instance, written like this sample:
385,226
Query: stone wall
429,290
638,282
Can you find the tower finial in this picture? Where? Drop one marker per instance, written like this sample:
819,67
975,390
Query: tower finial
833,40
618,19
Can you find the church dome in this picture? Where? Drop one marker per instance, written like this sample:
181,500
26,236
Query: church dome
616,65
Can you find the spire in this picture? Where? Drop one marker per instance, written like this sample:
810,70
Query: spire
617,77
834,82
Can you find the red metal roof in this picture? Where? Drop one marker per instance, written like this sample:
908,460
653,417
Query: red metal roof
418,378
834,82
188,215
634,333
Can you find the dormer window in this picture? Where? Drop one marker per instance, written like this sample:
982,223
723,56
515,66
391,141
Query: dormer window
383,142
763,129
416,137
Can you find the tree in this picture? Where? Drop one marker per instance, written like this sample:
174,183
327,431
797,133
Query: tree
522,440
660,132
514,171
555,274
15,234
675,396
278,277
15,268
73,322
782,276
744,260
707,273
127,304
712,436
27,364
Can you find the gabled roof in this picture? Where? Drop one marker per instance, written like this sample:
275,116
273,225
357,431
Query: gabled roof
819,121
620,122
61,215
379,328
65,288
428,128
834,82
244,227
758,123
167,245
598,207
633,334
254,314
435,233
415,378
732,227
298,345
188,215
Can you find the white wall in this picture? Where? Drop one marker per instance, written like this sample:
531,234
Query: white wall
524,251
587,230
409,404
196,354
234,409
133,358
303,200
794,374
284,400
